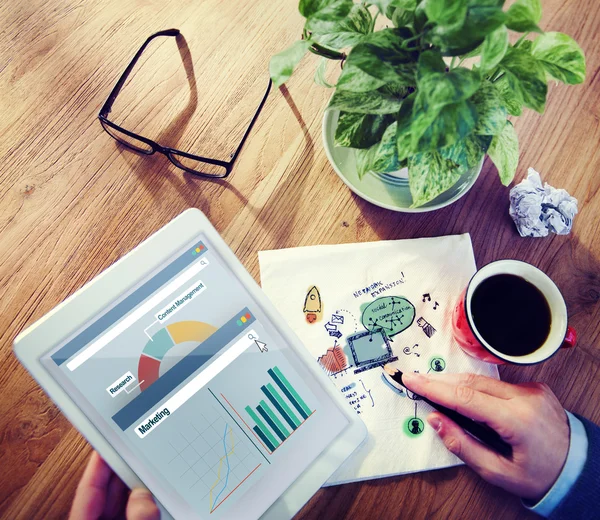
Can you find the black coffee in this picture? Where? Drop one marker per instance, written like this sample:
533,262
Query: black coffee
511,314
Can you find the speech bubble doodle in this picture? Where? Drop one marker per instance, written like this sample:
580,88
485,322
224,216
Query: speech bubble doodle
391,314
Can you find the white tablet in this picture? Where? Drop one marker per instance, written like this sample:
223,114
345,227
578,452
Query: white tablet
184,377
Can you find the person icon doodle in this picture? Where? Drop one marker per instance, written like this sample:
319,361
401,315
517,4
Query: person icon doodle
415,427
437,364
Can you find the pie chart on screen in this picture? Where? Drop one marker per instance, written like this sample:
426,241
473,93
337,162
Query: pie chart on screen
163,341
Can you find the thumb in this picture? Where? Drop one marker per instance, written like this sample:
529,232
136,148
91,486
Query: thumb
141,506
488,464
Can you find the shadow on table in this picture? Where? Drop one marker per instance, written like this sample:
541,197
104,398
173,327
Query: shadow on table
143,165
443,493
571,373
487,197
148,167
283,196
576,271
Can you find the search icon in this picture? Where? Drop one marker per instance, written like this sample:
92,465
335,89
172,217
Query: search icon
203,262
252,337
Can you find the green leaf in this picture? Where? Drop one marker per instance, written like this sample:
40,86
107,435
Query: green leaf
360,130
481,20
466,153
524,15
530,77
475,52
560,55
382,56
402,17
460,39
430,174
386,157
451,44
441,114
403,132
510,92
283,64
438,89
372,102
320,74
343,33
491,113
430,62
486,3
446,12
524,45
504,152
483,141
452,123
384,5
380,158
494,48
395,90
327,10
420,17
354,79
409,5
364,160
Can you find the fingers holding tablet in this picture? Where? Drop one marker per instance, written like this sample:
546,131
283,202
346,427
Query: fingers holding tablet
102,494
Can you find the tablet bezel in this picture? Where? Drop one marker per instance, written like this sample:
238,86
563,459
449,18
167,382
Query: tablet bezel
84,305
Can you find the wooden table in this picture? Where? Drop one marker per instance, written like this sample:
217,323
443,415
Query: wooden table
73,202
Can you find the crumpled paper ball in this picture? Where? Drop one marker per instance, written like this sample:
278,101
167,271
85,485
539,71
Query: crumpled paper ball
538,210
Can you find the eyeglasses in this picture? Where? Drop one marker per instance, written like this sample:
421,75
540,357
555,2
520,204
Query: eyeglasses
194,164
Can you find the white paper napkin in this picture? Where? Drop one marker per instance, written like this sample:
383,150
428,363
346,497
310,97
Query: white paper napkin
327,292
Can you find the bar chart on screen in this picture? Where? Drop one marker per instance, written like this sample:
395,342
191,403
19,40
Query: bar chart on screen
234,430
273,409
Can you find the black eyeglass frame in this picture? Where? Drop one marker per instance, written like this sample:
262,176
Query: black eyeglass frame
155,147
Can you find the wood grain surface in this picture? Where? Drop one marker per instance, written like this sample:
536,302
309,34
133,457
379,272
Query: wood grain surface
72,202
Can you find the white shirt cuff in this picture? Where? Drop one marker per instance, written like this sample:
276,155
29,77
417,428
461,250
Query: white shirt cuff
576,458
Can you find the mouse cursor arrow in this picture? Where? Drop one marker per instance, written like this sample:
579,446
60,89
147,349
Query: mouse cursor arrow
261,346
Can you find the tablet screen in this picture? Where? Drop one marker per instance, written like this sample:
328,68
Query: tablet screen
198,392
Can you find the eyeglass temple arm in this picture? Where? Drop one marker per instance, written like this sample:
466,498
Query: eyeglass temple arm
106,108
262,103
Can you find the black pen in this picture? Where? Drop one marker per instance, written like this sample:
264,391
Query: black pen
481,432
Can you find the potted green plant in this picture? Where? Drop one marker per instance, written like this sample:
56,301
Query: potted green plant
410,96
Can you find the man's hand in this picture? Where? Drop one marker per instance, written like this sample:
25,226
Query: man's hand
527,416
102,494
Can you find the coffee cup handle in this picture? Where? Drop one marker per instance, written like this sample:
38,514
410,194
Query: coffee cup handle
570,338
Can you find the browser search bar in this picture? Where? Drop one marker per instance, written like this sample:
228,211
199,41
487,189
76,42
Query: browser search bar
201,380
138,313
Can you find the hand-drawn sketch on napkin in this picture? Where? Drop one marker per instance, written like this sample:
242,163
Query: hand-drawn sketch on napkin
390,302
